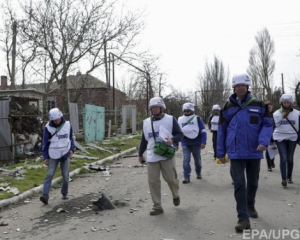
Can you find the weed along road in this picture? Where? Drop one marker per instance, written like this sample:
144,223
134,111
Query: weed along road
207,208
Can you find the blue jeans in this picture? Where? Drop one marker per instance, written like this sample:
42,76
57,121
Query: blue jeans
245,194
64,166
286,149
187,151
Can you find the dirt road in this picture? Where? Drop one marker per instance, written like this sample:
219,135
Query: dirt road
207,209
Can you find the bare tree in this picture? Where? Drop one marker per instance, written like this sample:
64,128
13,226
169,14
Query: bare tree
147,81
261,65
175,100
75,31
214,87
297,94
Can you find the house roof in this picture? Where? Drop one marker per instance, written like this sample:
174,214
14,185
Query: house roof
82,81
22,93
73,82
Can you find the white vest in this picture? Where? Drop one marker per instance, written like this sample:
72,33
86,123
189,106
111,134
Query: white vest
190,130
283,129
214,123
60,143
167,123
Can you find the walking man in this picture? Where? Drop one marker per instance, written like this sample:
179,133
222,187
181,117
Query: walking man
193,141
213,122
244,132
58,147
157,164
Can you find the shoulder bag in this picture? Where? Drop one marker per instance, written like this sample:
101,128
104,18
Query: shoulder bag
298,133
160,148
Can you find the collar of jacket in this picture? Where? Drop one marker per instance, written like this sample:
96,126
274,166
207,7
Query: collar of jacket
51,123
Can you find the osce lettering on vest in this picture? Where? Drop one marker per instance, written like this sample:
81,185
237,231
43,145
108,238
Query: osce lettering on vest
60,143
167,123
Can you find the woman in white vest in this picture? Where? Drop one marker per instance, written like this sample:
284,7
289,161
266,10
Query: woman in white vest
157,164
193,141
286,120
58,147
213,126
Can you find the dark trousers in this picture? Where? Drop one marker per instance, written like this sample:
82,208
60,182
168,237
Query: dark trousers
269,160
245,192
214,140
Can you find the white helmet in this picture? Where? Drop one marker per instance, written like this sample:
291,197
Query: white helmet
241,79
55,114
188,106
286,97
157,101
216,107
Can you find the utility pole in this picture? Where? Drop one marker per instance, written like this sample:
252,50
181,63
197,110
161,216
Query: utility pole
13,59
159,89
149,93
282,83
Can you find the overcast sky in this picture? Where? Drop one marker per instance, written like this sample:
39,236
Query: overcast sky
188,33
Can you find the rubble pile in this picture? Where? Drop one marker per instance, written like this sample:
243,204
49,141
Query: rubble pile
25,119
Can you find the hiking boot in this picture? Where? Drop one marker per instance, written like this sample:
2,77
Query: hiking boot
284,183
252,212
64,197
242,225
199,176
185,181
290,180
176,201
272,164
156,211
44,199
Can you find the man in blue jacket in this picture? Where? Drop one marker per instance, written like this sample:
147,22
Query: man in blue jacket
244,132
58,147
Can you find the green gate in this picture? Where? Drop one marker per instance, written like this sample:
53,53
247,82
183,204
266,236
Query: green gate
93,123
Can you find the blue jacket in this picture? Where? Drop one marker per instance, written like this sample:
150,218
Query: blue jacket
46,143
240,135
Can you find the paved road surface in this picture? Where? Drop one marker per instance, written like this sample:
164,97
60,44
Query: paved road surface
207,209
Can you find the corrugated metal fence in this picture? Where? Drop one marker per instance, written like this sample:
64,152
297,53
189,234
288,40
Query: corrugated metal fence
5,132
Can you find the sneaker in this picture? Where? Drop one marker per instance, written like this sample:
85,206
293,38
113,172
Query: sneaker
44,199
199,176
185,181
156,211
270,169
176,201
242,225
284,183
290,180
252,212
64,196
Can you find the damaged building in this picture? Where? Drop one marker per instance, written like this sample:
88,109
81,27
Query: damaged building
20,121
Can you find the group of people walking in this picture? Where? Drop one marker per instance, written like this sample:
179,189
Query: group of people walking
243,129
